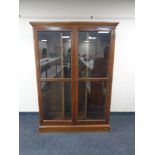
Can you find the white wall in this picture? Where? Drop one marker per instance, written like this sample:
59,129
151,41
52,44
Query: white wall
121,11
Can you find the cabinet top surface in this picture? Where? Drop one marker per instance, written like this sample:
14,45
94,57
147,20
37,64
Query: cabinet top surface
74,24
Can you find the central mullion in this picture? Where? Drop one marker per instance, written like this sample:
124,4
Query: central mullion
75,74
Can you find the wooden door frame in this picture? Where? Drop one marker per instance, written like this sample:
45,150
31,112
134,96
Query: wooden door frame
108,79
39,79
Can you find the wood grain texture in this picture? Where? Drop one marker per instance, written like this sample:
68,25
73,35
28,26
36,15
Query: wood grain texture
37,63
74,24
74,128
74,124
110,72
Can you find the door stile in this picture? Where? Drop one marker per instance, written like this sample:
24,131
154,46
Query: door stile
75,72
110,75
62,75
37,63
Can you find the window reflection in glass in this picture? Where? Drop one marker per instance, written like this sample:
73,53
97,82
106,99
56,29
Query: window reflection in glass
55,54
93,52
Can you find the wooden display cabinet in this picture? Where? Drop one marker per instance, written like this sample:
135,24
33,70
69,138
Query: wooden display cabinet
74,66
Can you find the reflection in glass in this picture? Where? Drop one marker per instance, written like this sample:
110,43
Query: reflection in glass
55,54
93,51
56,98
91,100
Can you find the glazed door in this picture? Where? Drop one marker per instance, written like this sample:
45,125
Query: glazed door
75,74
93,55
54,46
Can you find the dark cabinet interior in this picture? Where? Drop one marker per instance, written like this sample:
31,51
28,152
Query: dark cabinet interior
74,65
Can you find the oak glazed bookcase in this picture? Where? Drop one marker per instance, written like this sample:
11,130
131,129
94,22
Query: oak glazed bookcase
74,67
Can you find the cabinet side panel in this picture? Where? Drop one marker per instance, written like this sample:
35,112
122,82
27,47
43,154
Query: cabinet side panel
36,52
110,72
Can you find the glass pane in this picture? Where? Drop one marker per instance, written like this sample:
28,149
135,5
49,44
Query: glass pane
91,100
56,98
55,54
93,52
